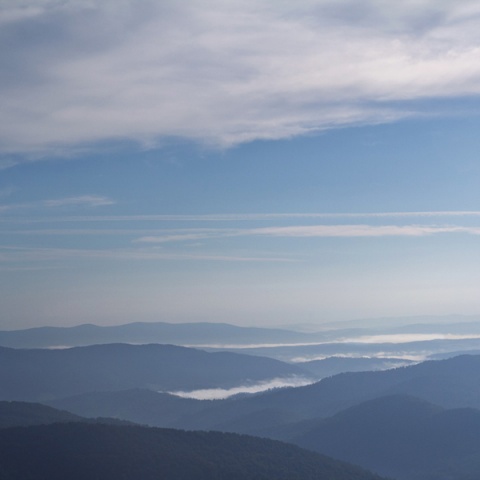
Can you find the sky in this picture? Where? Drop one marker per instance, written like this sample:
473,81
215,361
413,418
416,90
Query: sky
249,162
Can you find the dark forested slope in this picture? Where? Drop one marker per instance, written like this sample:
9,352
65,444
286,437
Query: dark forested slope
79,451
400,436
13,414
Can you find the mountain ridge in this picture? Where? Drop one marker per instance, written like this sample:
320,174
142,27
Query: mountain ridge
41,374
77,451
400,436
146,332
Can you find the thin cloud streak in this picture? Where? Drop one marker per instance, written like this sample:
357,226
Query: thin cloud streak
223,73
88,201
359,231
191,234
83,200
234,217
321,231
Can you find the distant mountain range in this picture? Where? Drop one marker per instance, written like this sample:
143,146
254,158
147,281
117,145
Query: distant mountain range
419,422
451,383
158,332
283,344
405,322
412,423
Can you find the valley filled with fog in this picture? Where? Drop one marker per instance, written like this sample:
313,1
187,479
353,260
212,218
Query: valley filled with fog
398,391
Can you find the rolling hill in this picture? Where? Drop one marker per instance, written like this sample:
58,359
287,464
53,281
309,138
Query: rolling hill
333,365
137,405
24,414
41,374
402,437
80,451
451,383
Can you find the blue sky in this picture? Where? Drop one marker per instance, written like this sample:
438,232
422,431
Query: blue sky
249,162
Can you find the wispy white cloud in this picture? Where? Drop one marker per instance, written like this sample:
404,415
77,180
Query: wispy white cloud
321,231
254,217
87,201
222,393
288,227
359,231
82,201
223,72
182,237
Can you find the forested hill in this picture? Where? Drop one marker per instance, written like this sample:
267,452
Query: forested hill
41,374
452,383
24,414
78,451
400,437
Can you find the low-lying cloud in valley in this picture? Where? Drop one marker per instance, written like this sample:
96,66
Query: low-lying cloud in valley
223,393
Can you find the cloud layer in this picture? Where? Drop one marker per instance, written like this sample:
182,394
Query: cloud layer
80,73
